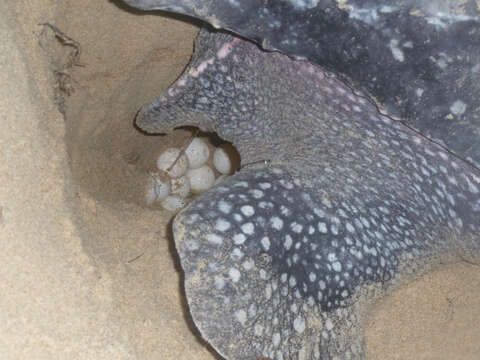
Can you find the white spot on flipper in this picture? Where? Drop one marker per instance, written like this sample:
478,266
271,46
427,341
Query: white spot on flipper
288,242
237,254
258,330
296,227
234,274
397,52
214,239
350,228
248,264
337,266
265,243
299,324
222,225
257,194
458,107
191,244
265,186
322,285
224,207
219,282
304,4
241,316
319,212
322,227
276,339
248,228
247,210
276,222
239,239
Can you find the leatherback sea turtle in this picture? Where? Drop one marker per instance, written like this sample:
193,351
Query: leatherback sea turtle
344,197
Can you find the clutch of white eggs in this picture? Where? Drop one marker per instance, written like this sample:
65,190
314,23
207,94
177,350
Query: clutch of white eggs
182,173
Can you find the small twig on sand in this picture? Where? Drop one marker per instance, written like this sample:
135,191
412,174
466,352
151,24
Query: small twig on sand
135,258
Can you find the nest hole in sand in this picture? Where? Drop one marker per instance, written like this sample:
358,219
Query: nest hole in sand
111,159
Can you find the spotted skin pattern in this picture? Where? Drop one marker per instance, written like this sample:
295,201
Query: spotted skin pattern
284,260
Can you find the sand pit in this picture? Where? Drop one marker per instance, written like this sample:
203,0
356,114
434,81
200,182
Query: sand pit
88,270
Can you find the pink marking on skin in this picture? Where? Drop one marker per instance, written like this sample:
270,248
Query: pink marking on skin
351,98
443,155
201,68
174,89
312,70
226,49
327,89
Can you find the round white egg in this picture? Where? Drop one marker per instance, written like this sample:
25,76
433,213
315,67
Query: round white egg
181,186
220,179
197,153
222,161
158,188
162,186
173,203
170,157
150,195
201,179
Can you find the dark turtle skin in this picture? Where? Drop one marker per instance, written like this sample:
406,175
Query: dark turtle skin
336,204
340,204
419,60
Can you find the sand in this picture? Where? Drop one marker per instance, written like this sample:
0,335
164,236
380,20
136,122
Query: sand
88,271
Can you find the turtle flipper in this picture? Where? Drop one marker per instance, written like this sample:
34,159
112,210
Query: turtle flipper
259,274
193,99
420,61
352,202
274,270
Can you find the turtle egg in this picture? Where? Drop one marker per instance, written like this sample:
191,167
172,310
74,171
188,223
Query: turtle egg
181,186
222,161
150,195
173,156
158,188
173,203
220,179
201,179
197,153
